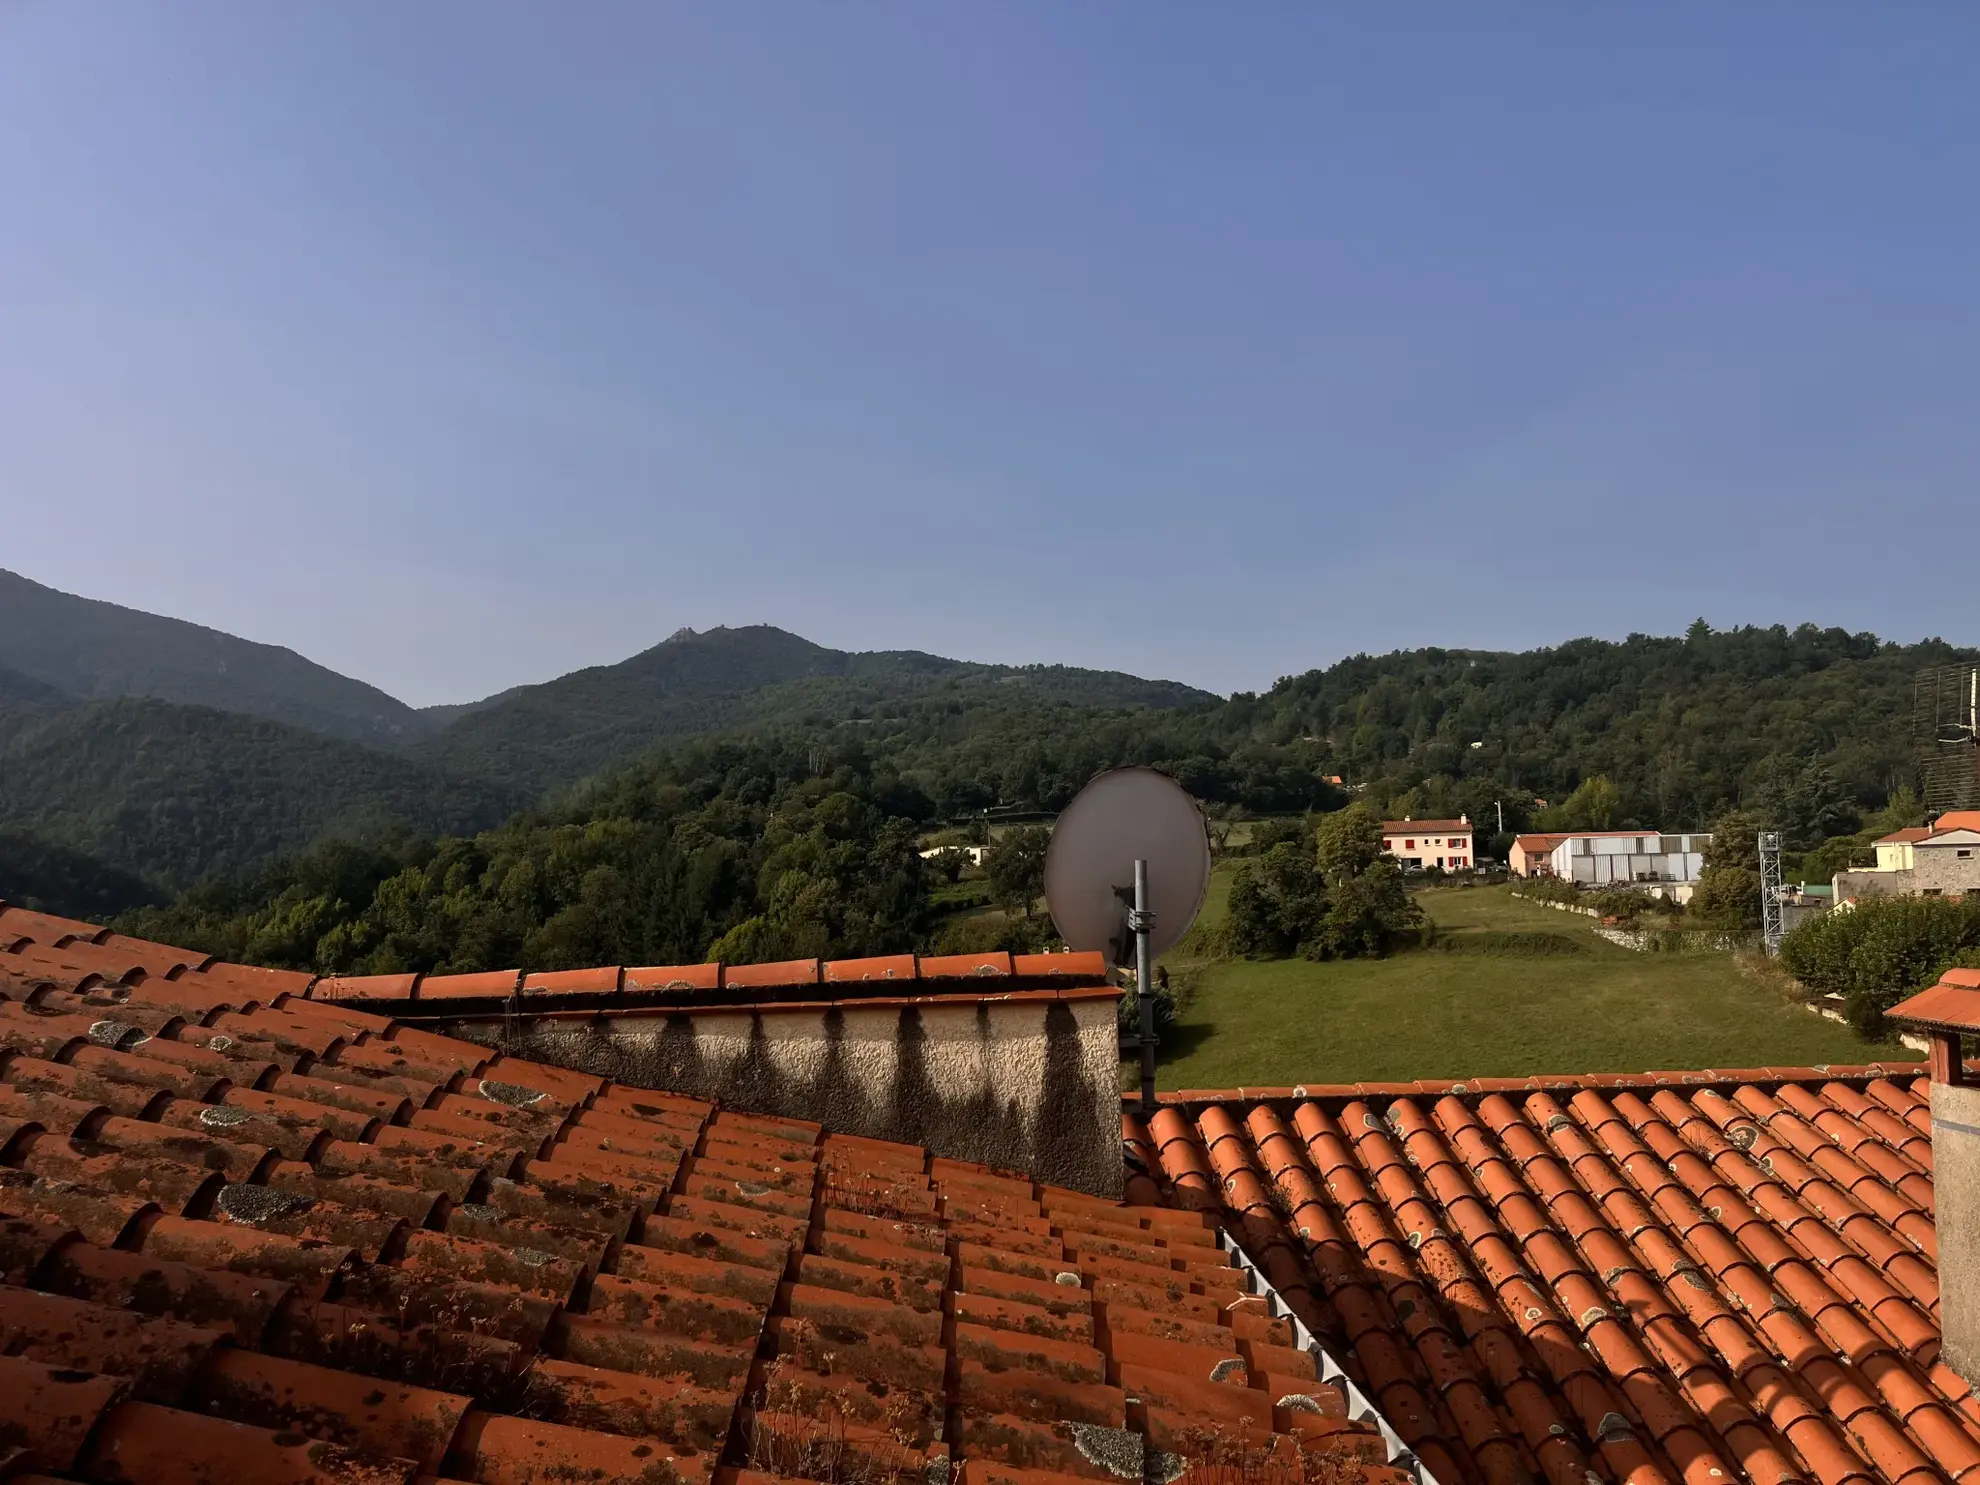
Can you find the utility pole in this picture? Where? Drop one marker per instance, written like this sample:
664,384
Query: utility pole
1500,806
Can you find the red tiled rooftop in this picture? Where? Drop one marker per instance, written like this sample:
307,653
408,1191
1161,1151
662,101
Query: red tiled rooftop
276,1237
1951,1005
256,1232
1729,1276
714,983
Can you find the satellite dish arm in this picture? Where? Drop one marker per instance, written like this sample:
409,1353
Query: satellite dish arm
1141,921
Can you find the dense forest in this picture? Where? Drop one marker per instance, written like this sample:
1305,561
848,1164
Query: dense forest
54,879
735,850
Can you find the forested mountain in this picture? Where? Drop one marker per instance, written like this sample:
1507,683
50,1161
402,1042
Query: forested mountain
1808,726
172,793
91,650
796,837
540,737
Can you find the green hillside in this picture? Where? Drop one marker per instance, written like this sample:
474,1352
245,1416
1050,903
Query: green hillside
89,650
541,737
173,793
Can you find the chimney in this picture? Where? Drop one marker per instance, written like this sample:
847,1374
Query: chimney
1947,1012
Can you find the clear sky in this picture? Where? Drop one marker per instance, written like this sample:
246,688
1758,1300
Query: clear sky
459,345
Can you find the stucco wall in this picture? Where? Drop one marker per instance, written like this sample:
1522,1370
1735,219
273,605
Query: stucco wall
1956,1199
1029,1082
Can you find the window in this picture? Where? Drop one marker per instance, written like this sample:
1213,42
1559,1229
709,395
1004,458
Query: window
1963,855
1409,845
1933,891
1387,844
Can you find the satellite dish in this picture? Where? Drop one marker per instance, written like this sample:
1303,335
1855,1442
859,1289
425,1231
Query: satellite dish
1123,816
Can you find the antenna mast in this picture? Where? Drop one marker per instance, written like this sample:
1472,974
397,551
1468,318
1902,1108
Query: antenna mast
1772,915
1142,922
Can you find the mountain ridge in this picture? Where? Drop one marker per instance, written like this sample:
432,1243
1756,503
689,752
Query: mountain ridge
89,649
556,732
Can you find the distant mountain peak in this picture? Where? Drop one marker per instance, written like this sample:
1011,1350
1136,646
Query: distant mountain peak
92,650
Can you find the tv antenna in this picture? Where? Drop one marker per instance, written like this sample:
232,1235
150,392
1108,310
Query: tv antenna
1946,730
1125,874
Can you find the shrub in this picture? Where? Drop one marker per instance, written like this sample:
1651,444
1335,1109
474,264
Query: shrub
1880,951
1172,997
1277,902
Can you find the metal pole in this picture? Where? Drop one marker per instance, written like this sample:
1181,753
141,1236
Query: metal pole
1143,921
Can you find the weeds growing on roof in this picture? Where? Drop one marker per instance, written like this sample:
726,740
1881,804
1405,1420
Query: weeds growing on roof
1215,1456
800,1436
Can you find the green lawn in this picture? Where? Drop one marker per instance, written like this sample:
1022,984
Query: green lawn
1436,1015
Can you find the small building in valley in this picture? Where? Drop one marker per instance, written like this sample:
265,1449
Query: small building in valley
1529,856
1666,863
1424,844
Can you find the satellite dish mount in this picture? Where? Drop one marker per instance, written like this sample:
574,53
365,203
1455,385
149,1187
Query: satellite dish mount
1126,874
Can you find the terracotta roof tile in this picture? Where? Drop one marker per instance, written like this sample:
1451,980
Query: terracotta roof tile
492,983
770,976
674,977
364,987
573,981
888,967
951,966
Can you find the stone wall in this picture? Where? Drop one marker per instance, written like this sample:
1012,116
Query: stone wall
1027,1080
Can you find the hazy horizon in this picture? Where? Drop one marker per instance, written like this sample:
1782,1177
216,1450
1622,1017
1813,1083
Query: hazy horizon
458,347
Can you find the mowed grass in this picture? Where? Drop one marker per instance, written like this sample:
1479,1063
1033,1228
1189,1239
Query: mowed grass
1426,1014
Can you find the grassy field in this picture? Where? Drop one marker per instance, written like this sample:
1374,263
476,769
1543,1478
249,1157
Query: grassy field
1428,1014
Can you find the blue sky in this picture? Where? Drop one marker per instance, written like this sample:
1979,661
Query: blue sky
458,345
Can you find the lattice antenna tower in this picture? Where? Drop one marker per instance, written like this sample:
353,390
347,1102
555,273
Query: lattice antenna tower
1772,911
1946,732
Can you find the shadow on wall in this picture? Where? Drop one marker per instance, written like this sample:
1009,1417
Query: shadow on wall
1026,1082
